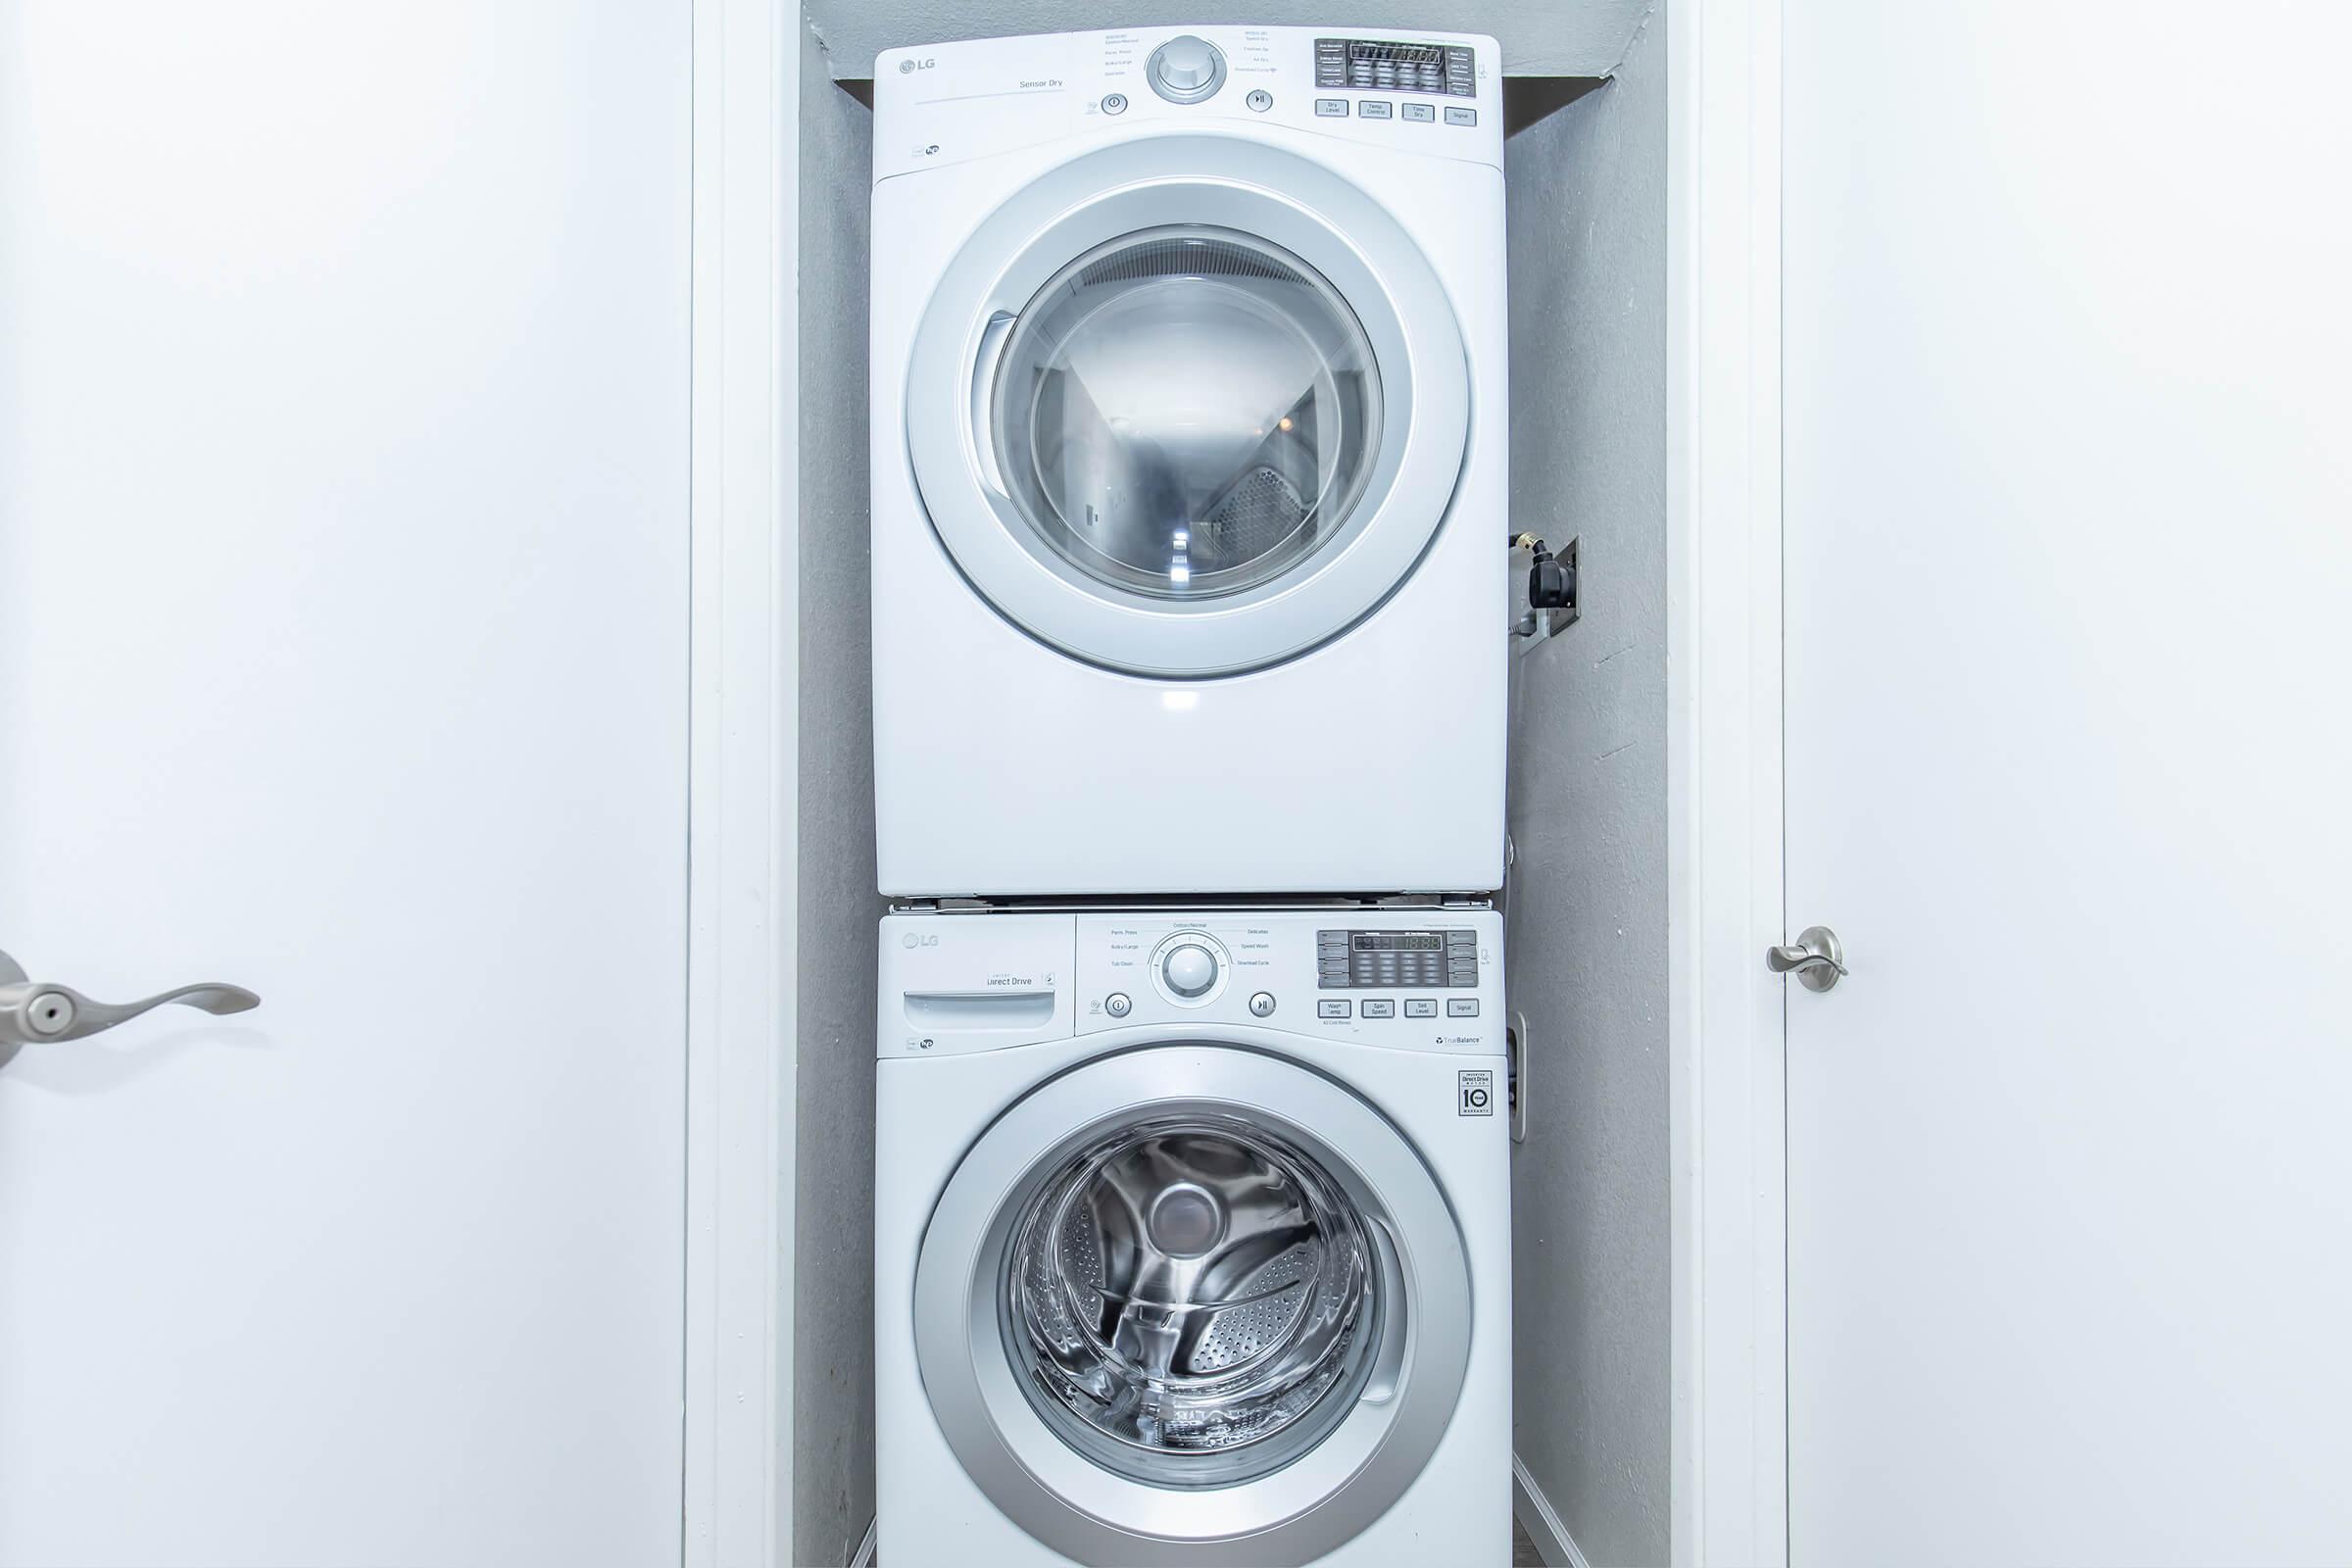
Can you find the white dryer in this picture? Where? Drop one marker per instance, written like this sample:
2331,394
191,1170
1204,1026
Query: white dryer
1192,1238
1189,463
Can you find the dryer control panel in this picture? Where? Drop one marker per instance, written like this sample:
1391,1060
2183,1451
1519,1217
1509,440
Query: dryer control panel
1438,94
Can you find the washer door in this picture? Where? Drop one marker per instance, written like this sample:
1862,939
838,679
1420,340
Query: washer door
1188,406
1193,1305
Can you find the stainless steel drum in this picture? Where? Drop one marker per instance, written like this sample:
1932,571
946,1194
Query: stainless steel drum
1192,1300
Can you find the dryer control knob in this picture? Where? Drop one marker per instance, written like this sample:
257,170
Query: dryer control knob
1189,970
1187,70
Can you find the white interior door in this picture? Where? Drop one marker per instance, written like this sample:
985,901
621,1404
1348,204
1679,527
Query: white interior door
2069,562
343,419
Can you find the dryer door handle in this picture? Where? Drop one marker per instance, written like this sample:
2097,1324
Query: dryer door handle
993,336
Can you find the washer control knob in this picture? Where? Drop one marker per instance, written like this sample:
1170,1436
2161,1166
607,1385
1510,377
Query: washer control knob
1189,969
1262,1005
1118,1004
1186,69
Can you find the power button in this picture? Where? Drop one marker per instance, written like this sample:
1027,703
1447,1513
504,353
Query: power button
1114,103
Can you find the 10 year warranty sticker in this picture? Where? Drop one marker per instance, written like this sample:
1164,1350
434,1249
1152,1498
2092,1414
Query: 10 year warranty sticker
1476,1096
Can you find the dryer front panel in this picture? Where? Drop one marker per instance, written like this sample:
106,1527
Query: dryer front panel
1193,1304
1188,406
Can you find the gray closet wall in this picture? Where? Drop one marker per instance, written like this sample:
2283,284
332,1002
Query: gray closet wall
1587,899
833,1308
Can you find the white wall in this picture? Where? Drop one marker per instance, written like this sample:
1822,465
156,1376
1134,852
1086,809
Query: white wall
1587,898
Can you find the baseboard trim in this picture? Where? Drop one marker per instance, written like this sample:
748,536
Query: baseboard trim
1542,1524
865,1547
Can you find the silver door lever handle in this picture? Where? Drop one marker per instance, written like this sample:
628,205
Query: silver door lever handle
33,1012
1815,958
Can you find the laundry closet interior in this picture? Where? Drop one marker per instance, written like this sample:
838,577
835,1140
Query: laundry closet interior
1584,900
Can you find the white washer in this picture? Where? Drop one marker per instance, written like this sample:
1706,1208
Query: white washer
1193,1238
1189,463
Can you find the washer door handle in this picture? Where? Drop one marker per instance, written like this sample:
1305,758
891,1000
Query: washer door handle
1387,1363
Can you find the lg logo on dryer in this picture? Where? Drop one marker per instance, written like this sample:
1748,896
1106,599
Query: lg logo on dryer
919,939
909,66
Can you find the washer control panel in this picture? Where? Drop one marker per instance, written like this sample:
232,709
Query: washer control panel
953,983
1424,979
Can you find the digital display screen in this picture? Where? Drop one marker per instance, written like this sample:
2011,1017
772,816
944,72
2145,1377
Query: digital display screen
1396,960
1404,54
1383,64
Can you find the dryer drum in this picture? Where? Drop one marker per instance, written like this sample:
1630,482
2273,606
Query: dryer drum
1198,1292
1255,515
1186,413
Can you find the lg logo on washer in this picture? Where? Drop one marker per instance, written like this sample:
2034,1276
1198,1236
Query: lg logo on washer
919,939
907,67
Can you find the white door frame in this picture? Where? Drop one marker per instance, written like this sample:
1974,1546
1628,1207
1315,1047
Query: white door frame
1728,1451
744,784
1727,1426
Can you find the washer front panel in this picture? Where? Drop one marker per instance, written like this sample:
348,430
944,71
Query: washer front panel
1350,241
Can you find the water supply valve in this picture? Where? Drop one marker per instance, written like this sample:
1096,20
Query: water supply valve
1551,588
1551,581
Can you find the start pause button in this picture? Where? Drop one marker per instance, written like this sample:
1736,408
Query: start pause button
1476,1094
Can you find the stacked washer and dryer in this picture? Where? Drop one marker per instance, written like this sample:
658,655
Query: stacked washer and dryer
1191,1210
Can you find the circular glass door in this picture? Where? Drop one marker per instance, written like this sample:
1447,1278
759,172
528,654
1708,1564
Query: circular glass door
1192,1304
1186,413
1187,406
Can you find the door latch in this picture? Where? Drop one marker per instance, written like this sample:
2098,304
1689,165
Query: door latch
1515,1071
36,1012
1815,958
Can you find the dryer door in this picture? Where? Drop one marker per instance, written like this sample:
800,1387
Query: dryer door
1188,406
1225,1322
